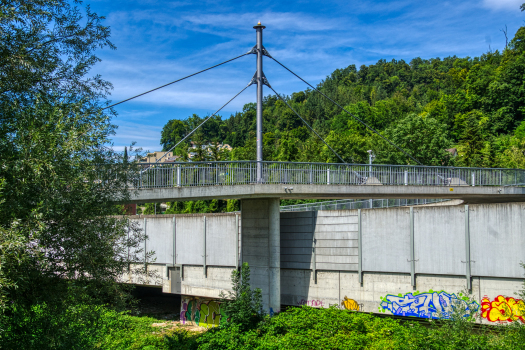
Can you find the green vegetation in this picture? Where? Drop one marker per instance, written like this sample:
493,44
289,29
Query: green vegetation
425,106
243,305
62,247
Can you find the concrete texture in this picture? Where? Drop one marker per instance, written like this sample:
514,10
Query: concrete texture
471,194
160,233
497,240
261,248
386,240
439,236
190,240
312,257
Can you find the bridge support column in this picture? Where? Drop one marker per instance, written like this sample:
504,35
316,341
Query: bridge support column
261,248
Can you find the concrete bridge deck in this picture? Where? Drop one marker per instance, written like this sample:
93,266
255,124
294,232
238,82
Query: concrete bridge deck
470,194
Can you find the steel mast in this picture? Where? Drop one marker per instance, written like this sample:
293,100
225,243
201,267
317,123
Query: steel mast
260,75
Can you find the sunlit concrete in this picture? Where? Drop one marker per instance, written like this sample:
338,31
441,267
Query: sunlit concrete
470,194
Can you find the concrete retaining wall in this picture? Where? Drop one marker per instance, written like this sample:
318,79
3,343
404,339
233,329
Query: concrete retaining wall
399,260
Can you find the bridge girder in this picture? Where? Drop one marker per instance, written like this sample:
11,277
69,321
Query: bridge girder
470,194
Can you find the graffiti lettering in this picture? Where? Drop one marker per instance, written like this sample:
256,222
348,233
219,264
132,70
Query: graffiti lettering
313,303
350,304
427,305
503,309
203,313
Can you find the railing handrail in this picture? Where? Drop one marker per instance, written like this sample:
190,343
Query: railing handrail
331,164
354,202
245,172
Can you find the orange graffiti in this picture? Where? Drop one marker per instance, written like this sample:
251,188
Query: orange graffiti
503,309
350,304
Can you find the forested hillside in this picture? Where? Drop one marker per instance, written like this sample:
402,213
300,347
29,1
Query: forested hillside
424,106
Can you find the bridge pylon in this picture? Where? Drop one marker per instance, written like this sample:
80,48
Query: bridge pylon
259,133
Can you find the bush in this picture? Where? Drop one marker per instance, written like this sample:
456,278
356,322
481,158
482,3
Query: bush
243,306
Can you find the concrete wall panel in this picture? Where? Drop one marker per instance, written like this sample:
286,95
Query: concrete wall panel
439,239
386,240
195,283
190,240
160,233
497,240
220,240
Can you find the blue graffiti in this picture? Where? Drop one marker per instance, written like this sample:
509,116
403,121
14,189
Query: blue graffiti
435,305
271,312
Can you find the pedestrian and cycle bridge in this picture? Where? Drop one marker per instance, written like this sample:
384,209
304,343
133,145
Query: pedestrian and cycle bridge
285,180
367,260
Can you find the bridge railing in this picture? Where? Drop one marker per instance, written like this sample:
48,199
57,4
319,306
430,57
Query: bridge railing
347,204
244,172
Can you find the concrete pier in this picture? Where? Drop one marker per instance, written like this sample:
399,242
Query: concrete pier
261,248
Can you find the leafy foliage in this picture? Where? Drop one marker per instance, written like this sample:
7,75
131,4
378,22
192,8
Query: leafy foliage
243,305
425,106
62,243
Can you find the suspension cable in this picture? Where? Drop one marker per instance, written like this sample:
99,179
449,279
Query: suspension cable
308,125
353,116
176,81
205,120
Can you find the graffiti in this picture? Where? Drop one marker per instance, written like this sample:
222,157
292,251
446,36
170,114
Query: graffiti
271,312
206,314
428,305
313,303
183,310
350,304
503,309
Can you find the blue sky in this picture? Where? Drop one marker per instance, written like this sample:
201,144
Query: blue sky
160,41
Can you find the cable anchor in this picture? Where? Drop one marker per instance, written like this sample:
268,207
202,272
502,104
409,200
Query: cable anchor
264,80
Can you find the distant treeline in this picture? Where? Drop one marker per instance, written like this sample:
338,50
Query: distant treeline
426,106
475,105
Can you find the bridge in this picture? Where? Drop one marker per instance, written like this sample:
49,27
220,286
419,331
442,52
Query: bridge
283,180
261,184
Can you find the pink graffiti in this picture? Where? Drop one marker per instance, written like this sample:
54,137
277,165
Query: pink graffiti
183,312
313,303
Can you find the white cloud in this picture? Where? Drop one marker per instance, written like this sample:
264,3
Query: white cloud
503,4
277,20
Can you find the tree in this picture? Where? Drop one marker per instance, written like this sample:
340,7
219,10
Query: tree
473,152
424,138
243,306
172,132
63,243
48,46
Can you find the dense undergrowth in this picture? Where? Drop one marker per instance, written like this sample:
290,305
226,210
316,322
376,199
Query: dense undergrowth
296,328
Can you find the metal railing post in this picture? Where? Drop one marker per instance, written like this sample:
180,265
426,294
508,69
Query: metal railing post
406,177
178,176
473,178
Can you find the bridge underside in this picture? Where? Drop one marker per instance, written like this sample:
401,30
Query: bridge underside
470,194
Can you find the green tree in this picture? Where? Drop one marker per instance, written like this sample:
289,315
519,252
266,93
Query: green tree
243,306
63,243
424,138
172,132
152,208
